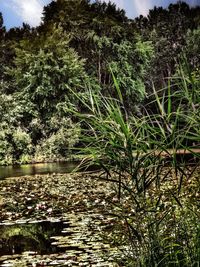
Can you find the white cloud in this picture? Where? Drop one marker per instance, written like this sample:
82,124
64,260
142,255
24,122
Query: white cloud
30,11
142,6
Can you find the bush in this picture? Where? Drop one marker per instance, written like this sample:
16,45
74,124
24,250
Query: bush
60,143
6,150
22,144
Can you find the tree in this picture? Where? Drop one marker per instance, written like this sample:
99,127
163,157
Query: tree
2,47
46,71
167,29
92,26
130,68
192,48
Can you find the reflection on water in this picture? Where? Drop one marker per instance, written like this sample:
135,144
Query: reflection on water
40,168
16,239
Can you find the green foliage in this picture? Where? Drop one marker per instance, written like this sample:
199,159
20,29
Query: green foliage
46,73
129,61
12,109
75,47
192,47
60,142
167,29
156,213
15,145
45,70
130,66
22,144
6,150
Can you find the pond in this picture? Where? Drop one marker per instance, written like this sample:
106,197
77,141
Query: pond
39,168
18,238
76,241
54,220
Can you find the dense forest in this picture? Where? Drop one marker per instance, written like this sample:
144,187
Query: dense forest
46,71
91,85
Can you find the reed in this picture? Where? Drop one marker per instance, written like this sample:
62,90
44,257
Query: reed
158,212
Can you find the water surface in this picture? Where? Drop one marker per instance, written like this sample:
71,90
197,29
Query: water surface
18,238
39,168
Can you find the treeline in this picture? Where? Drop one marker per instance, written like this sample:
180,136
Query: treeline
80,45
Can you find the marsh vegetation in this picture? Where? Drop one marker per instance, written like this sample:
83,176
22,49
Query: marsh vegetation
119,94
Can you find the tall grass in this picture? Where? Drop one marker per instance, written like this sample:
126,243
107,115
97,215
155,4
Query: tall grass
158,211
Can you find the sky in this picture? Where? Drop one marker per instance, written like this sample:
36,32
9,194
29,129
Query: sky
15,12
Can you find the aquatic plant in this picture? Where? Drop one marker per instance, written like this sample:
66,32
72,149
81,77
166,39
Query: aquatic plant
146,157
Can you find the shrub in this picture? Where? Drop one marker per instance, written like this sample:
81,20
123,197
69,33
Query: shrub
60,143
